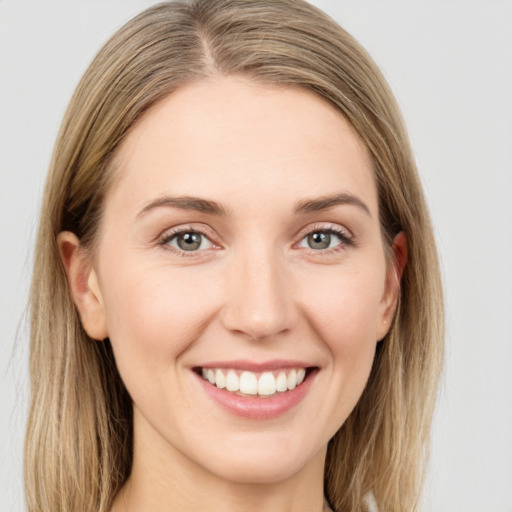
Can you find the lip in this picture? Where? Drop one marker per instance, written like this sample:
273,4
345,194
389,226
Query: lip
257,408
257,367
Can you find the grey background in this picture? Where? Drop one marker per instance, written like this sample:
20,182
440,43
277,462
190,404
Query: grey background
450,66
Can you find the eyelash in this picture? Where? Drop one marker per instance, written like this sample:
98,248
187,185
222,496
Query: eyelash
346,239
169,235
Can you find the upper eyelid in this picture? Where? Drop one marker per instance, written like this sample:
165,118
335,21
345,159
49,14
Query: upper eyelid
169,234
325,227
185,228
204,230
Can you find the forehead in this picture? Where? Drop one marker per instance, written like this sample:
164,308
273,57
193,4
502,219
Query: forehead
230,137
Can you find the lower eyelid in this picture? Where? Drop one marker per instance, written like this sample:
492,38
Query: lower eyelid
205,238
344,235
346,239
171,233
342,245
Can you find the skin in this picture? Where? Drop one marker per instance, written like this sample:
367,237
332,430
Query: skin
254,290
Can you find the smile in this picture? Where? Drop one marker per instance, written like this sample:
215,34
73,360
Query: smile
256,391
262,384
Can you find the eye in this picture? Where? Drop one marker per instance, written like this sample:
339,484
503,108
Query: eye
186,240
325,239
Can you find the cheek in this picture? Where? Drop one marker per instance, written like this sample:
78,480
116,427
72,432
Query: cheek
346,321
153,315
345,309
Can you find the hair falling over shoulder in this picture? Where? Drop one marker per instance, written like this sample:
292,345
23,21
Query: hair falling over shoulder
78,449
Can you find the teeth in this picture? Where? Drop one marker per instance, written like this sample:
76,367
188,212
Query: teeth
220,380
232,381
267,384
291,380
249,383
281,384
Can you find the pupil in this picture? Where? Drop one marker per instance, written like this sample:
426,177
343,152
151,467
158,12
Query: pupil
189,241
319,240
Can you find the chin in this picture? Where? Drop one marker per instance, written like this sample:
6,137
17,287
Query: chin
261,459
264,470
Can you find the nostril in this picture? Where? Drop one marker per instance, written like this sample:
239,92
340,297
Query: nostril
259,312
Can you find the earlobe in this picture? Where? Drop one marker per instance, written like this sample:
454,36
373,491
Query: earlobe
392,290
83,285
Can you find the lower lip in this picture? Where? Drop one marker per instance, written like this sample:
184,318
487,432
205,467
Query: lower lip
258,408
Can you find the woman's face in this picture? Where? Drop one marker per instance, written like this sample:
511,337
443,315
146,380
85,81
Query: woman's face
241,242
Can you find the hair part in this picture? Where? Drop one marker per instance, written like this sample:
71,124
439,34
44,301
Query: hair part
78,450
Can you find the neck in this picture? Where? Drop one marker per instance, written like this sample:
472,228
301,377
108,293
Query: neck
163,479
136,497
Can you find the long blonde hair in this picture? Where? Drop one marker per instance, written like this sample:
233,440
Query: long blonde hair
79,437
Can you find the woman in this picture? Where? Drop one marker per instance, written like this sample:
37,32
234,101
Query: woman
236,299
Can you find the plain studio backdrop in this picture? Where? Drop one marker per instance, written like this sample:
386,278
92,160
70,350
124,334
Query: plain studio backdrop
450,66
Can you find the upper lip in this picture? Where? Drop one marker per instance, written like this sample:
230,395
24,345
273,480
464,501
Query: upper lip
254,366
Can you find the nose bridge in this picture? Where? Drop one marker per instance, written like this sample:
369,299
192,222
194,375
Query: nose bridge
259,301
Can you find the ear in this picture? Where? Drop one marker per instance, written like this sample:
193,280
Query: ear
392,289
83,284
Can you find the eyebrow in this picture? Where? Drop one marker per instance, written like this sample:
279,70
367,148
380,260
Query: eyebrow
210,207
197,204
329,201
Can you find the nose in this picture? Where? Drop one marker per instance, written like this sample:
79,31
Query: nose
259,295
